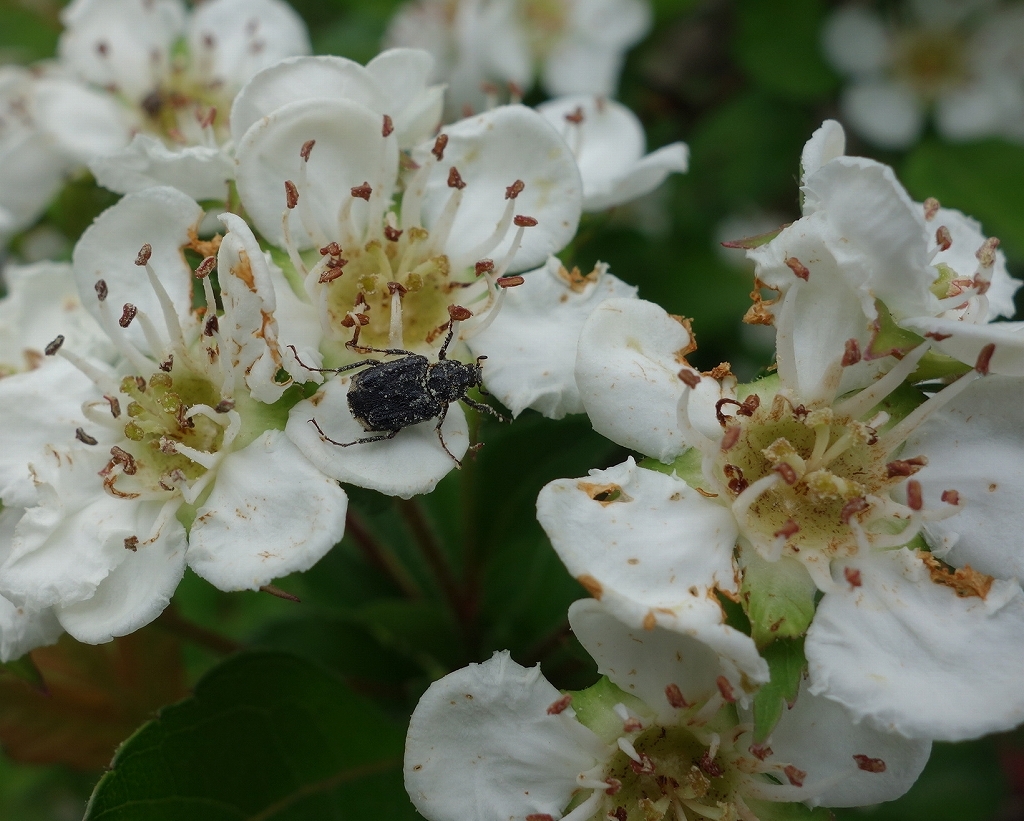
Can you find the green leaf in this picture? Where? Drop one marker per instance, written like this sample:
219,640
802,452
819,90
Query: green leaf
595,708
981,178
25,36
778,811
779,598
266,737
786,662
779,45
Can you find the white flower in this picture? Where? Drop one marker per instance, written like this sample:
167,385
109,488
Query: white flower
576,46
608,142
173,458
661,739
175,74
964,59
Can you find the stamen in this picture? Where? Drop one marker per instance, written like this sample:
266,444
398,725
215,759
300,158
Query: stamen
860,403
166,306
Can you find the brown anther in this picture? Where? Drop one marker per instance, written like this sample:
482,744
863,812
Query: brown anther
391,233
785,470
101,289
397,288
943,238
439,146
986,254
509,282
632,725
307,147
645,766
331,249
524,221
985,359
168,447
852,576
709,766
614,785
388,128
145,252
852,508
122,457
206,267
689,378
749,405
127,315
514,190
115,405
576,116
559,705
725,688
914,498
458,313
870,765
84,437
140,383
206,120
619,814
937,336
212,326
760,751
950,497
131,543
798,268
851,353
539,816
731,437
224,406
362,191
796,777
723,420
790,528
455,179
737,482
906,467
675,697
54,346
484,266
332,273
488,88
291,194
931,208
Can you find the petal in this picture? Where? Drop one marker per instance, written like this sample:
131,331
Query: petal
629,356
911,656
974,447
201,172
412,462
611,23
856,41
825,144
134,593
32,171
161,217
887,115
491,151
234,39
124,44
645,661
531,345
577,66
85,123
248,532
965,340
349,151
482,746
820,737
22,630
975,111
415,106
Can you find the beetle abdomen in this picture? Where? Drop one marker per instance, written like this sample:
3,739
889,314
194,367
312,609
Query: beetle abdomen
392,395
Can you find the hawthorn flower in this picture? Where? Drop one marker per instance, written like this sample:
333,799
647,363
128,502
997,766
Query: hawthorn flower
576,46
177,455
663,736
964,60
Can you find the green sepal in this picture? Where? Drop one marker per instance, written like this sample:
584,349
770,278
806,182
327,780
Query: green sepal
594,708
788,811
686,466
284,262
786,663
778,596
25,669
889,338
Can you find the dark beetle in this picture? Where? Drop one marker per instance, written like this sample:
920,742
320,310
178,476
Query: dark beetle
390,396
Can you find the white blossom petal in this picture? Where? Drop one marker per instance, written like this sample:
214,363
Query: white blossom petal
85,123
825,144
856,41
965,340
885,114
21,629
531,345
415,106
249,532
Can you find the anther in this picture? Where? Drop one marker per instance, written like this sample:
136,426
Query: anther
224,406
851,354
870,765
205,121
127,315
539,816
115,405
914,499
212,326
509,282
145,252
307,147
689,378
484,266
725,688
675,697
523,221
560,705
85,438
798,268
931,208
737,482
388,127
905,467
937,336
852,508
785,470
458,313
397,288
619,814
515,92
749,405
950,497
632,725
645,766
439,146
131,543
796,777
54,346
790,528
122,457
852,576
943,238
731,437
206,267
986,254
391,233
101,289
455,179
575,117
709,766
362,191
760,751
331,249
985,359
291,194
614,785
168,364
514,190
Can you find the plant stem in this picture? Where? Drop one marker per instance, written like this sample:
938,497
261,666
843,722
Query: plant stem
173,622
434,556
381,556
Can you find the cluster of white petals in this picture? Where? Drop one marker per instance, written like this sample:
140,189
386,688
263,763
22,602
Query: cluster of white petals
575,46
964,60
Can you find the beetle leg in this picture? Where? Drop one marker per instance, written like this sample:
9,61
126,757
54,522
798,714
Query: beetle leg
348,367
363,441
483,406
368,349
440,436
